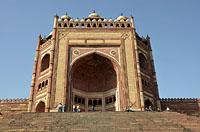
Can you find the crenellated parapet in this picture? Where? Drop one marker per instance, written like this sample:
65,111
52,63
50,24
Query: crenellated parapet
94,21
179,99
185,105
17,100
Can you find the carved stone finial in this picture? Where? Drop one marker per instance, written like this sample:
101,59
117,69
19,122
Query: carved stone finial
147,37
56,16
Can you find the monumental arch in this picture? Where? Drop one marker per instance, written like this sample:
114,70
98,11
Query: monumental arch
93,61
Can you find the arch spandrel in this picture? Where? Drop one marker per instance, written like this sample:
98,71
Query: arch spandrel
109,52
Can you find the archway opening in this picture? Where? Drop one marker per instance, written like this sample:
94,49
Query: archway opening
143,62
94,73
93,80
45,62
40,107
148,105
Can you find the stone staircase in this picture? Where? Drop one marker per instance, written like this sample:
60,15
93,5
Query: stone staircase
100,122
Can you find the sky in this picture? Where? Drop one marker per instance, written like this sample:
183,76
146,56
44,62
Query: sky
173,26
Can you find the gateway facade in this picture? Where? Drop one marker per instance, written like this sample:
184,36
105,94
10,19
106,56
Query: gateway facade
93,61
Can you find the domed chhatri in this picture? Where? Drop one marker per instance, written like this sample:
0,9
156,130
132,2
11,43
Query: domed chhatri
122,17
93,15
66,16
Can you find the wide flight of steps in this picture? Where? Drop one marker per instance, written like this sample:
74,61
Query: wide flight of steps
100,122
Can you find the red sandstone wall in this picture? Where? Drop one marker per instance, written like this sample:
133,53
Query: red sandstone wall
13,106
183,105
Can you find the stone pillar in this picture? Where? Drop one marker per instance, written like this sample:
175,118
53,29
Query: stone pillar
32,89
86,104
103,104
140,92
47,109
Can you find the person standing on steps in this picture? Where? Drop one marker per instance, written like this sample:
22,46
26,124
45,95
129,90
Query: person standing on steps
78,108
59,107
64,107
73,108
93,107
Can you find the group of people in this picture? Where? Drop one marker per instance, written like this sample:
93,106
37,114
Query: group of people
149,108
62,107
76,108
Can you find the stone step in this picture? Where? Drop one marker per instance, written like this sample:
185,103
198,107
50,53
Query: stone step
101,121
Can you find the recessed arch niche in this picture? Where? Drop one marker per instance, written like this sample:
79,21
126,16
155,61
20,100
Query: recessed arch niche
94,73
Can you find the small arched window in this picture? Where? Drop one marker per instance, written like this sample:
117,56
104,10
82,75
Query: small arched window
65,25
94,25
71,25
117,25
143,62
77,24
45,62
88,25
100,25
46,82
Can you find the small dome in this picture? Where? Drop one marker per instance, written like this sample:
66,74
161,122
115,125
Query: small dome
99,20
93,15
59,20
121,17
94,20
76,20
71,20
82,20
88,20
105,20
65,16
110,20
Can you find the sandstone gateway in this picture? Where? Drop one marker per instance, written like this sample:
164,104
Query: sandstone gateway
98,62
93,61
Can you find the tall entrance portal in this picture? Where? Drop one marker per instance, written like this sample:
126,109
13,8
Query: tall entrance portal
94,83
97,63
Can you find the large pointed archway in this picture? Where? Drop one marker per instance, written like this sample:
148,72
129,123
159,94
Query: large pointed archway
94,83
